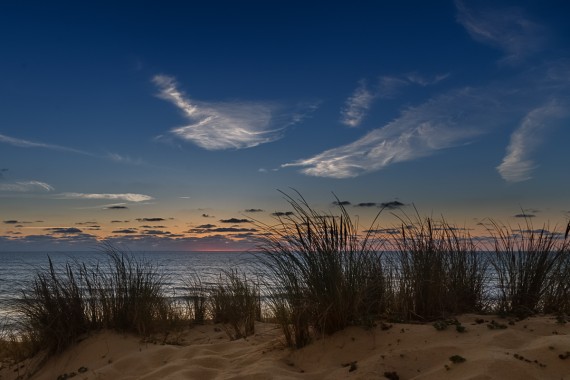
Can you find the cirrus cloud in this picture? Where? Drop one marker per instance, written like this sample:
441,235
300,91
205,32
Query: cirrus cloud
455,118
129,197
418,132
25,186
508,29
33,144
458,116
357,105
229,125
517,165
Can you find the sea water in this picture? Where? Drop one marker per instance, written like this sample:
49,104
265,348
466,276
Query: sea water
179,268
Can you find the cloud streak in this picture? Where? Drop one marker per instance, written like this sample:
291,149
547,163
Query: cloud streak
32,144
455,118
389,87
443,122
231,125
416,78
517,164
129,197
357,105
506,29
26,186
124,159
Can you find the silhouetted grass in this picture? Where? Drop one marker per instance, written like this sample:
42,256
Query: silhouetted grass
325,275
322,276
131,294
235,302
532,269
557,294
197,299
437,271
61,305
54,309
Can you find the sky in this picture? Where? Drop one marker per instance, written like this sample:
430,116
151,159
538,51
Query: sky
172,125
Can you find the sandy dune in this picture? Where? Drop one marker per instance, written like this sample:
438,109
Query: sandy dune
529,349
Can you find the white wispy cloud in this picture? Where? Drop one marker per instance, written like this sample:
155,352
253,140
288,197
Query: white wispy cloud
129,197
390,87
424,81
25,186
231,125
454,119
445,121
35,144
124,159
517,164
507,29
32,144
357,105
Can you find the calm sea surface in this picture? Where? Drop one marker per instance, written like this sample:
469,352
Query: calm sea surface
17,268
179,268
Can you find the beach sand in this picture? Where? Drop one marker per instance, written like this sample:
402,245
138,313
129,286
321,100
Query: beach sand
535,348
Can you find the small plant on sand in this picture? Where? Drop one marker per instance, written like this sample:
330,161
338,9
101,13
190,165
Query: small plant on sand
455,359
494,325
325,276
440,325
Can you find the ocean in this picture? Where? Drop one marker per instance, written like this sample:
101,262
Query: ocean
18,268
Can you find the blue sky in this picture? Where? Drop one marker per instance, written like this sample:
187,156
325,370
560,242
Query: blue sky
158,125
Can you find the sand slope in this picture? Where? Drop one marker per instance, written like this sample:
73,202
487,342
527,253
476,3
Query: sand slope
528,349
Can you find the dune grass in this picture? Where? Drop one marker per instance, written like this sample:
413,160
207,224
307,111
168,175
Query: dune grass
321,274
438,270
325,276
61,305
532,269
196,299
235,302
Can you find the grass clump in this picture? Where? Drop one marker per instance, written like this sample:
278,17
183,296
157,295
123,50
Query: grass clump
196,300
129,295
532,269
63,304
324,276
55,309
235,302
438,271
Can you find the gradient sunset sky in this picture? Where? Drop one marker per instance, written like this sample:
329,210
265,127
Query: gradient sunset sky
169,125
